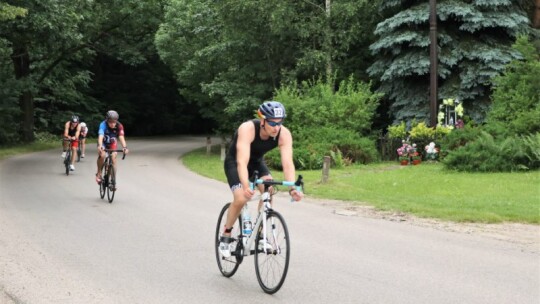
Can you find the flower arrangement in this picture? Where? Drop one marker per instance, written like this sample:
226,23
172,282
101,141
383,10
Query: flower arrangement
432,153
408,152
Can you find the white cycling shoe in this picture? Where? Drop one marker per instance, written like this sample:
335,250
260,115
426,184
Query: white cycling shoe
225,246
71,168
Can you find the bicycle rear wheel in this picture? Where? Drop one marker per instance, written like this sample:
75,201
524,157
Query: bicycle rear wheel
272,258
228,266
67,161
111,184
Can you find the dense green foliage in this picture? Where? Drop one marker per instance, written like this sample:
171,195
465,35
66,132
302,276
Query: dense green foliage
328,123
516,95
511,136
230,55
474,39
60,58
201,66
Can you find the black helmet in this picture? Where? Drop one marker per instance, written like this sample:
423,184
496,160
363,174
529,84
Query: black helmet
112,115
272,109
74,118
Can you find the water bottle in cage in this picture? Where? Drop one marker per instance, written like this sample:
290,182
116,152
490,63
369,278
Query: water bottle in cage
246,221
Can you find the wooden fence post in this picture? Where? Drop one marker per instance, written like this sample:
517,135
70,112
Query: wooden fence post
208,145
325,169
223,149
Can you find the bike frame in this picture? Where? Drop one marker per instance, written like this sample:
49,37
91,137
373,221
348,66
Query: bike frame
263,213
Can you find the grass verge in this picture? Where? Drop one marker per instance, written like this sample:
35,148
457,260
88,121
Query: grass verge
7,151
426,190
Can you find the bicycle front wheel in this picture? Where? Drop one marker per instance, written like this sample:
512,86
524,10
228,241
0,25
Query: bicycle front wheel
228,266
67,161
272,257
111,184
103,184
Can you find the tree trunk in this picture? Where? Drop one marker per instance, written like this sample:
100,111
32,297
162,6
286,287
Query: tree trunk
328,42
21,63
536,19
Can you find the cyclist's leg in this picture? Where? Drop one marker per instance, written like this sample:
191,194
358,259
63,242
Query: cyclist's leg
74,146
239,200
100,160
83,146
65,144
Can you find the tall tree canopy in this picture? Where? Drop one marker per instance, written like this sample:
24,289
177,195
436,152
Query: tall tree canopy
53,45
229,55
474,39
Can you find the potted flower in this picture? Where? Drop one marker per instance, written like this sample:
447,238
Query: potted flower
432,153
403,153
416,158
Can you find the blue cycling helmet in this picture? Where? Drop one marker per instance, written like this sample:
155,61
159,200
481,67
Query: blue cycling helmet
272,110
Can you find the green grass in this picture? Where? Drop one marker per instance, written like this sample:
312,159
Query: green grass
27,148
426,190
7,151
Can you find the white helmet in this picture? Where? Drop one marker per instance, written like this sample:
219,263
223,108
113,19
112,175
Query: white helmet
83,124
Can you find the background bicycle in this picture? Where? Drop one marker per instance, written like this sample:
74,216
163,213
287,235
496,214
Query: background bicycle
267,238
67,159
108,176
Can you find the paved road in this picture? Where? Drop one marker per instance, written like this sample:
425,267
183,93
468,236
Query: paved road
60,243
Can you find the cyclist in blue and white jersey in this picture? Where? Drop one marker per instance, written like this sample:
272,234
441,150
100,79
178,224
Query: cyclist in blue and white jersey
109,133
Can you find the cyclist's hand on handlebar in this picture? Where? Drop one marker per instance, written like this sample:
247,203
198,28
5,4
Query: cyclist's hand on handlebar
126,150
296,195
248,193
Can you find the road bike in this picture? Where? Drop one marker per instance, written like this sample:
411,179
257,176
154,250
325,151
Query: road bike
67,159
108,176
79,153
269,240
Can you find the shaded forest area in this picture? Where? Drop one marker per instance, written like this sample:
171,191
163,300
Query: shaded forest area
201,66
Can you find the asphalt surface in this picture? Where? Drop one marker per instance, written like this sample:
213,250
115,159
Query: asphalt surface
61,243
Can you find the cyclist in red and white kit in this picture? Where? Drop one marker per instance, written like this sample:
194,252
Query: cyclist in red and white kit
72,129
82,138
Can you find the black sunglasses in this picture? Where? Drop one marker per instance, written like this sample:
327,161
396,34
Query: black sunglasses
274,123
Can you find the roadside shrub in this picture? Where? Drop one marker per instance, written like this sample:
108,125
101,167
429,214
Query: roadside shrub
311,145
516,95
46,137
488,154
312,105
460,137
398,131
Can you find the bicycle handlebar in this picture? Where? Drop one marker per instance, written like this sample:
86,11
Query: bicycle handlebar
116,150
298,184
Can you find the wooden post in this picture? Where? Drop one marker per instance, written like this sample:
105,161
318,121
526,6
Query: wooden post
208,145
223,150
325,169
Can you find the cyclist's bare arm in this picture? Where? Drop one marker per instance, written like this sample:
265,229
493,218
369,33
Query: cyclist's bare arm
78,132
100,143
286,152
246,135
123,142
66,130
